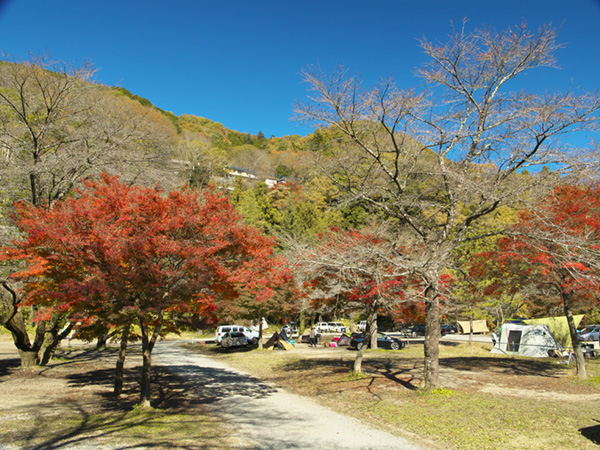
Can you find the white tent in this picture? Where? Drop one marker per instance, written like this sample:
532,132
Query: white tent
526,340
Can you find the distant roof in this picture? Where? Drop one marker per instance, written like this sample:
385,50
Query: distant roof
241,169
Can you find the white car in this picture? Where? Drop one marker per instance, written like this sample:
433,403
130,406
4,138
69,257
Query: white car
336,327
362,325
322,327
250,333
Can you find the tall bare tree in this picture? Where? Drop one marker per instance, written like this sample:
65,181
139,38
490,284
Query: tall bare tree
360,268
441,159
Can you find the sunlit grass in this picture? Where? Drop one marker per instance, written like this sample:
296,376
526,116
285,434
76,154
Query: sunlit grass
454,418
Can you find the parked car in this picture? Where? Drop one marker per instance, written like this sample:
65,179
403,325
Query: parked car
251,333
448,329
417,330
362,325
290,329
357,341
322,327
336,327
234,339
590,333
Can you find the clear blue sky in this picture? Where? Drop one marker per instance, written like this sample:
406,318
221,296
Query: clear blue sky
238,61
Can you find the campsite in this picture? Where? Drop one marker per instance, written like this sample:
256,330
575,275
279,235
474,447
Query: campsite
535,402
487,400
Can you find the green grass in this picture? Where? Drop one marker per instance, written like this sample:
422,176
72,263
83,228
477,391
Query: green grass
536,404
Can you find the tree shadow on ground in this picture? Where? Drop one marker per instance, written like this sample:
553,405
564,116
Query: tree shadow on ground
100,416
592,433
8,366
124,429
177,388
206,385
81,424
507,366
399,371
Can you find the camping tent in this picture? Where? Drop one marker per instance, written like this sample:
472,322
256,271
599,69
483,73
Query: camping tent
479,326
526,340
558,327
343,340
276,341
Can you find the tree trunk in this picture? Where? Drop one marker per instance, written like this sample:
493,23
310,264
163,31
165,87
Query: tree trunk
579,358
359,358
29,359
147,347
102,340
372,327
57,335
12,319
145,382
432,335
119,369
260,334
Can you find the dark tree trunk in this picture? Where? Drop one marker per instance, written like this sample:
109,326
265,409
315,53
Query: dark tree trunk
360,356
579,358
102,340
432,334
370,333
119,369
57,335
11,317
145,382
147,347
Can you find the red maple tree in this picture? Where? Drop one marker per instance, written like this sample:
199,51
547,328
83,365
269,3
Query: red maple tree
553,252
127,256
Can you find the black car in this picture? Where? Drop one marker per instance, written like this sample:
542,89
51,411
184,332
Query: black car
447,329
417,330
357,341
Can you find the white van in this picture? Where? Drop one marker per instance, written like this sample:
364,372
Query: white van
251,333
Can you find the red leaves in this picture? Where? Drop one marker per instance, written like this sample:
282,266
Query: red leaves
116,251
554,244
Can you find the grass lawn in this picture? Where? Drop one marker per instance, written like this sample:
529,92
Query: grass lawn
486,401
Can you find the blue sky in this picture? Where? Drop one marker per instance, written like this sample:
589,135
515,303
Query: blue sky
238,62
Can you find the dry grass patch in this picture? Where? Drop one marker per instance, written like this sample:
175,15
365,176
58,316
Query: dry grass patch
68,404
487,401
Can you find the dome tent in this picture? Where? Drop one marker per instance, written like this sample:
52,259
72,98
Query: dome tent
526,340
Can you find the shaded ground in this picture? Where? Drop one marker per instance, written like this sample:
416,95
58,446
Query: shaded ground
79,383
534,403
69,405
267,417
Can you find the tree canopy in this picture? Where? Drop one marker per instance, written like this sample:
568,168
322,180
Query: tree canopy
127,255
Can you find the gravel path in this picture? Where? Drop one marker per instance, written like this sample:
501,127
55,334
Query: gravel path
268,417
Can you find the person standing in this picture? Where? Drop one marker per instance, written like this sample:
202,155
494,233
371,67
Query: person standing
312,340
494,338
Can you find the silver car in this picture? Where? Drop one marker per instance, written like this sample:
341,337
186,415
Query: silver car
234,339
590,333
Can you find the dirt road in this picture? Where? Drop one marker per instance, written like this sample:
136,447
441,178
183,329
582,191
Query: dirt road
267,417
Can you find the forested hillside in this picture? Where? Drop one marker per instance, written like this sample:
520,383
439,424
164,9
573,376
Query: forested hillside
384,211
